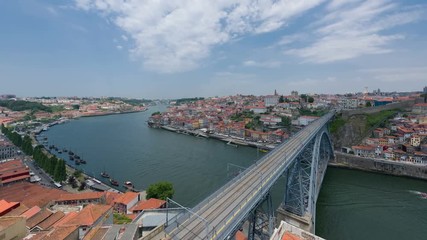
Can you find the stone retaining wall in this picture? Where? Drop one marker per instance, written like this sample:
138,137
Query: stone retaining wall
380,166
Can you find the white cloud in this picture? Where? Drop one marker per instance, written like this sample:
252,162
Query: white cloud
398,75
173,36
267,64
352,28
120,47
52,10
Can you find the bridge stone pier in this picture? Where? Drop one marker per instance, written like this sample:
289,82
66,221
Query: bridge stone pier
303,182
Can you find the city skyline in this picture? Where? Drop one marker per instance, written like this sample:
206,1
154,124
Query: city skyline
173,50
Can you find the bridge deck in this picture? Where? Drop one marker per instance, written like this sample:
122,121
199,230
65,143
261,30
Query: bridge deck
220,213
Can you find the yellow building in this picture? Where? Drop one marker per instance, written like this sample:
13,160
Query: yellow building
12,228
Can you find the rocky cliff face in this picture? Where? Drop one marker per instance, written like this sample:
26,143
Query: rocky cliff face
352,132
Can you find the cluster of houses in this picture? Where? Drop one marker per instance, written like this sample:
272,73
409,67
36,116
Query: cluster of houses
233,115
404,139
66,107
87,215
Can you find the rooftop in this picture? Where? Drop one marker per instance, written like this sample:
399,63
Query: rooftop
38,218
29,194
6,206
89,215
17,211
48,222
126,198
61,232
31,212
151,203
6,222
80,196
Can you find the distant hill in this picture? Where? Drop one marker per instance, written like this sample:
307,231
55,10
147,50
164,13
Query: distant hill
21,105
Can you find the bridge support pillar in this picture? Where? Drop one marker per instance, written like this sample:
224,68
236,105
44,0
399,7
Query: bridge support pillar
304,222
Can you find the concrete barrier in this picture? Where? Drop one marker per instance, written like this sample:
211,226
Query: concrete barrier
381,166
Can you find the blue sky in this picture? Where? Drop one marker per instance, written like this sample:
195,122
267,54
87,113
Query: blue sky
171,49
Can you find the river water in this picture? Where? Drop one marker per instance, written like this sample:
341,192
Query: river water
351,205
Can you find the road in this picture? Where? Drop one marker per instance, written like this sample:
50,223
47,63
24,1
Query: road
221,212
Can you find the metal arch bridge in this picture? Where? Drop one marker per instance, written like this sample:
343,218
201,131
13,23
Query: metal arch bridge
302,159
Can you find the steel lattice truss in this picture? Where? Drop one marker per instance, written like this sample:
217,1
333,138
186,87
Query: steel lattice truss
305,176
302,159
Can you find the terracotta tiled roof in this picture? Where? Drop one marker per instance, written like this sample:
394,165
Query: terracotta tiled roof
61,232
6,206
29,194
126,198
65,219
38,218
151,203
80,196
31,212
97,233
48,222
111,196
17,211
361,147
240,236
89,215
290,236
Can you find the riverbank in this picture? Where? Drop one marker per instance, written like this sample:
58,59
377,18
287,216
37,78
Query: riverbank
232,141
349,161
100,114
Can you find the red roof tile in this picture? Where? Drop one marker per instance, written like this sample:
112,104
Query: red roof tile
151,203
126,198
6,206
89,215
31,212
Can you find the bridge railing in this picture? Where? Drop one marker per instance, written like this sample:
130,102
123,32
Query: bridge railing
240,212
253,200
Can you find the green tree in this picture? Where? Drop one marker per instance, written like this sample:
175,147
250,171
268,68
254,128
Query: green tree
60,172
286,122
27,145
368,104
281,99
77,173
82,186
304,97
310,99
160,190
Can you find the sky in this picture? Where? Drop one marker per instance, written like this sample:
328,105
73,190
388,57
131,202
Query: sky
188,48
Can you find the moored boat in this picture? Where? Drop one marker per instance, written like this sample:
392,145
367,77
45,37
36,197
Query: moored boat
114,182
104,174
128,184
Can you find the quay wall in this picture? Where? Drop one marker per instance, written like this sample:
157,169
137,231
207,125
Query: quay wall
380,166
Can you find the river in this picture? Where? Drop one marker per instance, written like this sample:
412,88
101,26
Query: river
351,205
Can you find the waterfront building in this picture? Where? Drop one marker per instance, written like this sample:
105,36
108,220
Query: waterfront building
13,171
92,216
125,202
7,149
364,151
81,198
152,203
